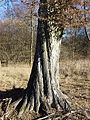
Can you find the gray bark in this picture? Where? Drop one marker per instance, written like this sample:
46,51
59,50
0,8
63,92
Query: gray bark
43,86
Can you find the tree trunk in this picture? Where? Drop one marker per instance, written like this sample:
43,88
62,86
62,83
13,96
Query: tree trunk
85,19
43,86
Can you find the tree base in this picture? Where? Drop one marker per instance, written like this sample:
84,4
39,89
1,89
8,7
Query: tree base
30,103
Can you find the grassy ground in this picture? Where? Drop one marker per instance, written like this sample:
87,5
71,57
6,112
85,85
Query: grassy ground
14,75
74,82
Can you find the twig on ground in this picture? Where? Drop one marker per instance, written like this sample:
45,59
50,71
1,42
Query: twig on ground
85,113
43,118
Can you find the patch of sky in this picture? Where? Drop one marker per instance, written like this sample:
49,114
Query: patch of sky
9,5
78,31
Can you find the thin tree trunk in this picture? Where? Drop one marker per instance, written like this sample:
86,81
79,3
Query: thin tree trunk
85,19
85,29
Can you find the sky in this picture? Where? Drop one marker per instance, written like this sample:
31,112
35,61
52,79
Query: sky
2,9
6,5
9,4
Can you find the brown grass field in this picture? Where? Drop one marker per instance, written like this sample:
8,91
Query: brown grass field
74,82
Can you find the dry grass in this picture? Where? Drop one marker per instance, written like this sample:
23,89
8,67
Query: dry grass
75,81
14,75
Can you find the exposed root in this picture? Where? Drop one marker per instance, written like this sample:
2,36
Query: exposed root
27,103
32,101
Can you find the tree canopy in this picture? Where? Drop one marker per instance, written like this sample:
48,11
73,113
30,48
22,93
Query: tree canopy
70,13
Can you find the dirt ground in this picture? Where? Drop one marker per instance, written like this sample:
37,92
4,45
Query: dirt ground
74,82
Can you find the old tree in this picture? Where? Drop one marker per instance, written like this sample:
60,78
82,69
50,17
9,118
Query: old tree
43,88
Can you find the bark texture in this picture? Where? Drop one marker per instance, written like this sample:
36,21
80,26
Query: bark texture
43,90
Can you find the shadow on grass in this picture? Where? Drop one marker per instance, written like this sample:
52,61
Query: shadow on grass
14,94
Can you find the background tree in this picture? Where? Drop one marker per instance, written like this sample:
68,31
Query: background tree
75,47
15,20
